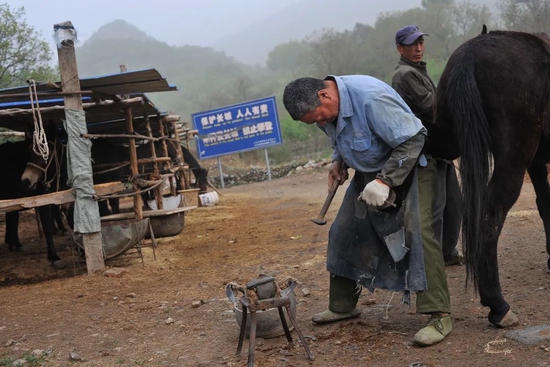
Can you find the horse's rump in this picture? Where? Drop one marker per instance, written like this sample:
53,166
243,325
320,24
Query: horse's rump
492,96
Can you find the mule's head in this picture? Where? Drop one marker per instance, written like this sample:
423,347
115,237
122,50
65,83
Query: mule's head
35,171
38,167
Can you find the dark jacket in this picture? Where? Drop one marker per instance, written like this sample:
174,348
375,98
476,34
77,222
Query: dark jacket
414,85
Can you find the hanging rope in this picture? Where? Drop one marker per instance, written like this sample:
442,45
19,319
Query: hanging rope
39,139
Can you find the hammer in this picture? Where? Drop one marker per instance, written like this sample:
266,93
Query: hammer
320,220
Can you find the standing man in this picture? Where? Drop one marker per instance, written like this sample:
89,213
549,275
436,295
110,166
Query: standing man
414,85
371,243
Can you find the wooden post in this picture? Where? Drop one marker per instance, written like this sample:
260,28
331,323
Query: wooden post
138,203
70,83
177,138
181,173
173,188
162,135
157,190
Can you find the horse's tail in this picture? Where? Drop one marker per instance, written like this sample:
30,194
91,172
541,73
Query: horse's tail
463,108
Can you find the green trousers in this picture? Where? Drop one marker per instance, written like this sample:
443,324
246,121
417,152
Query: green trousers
436,298
344,293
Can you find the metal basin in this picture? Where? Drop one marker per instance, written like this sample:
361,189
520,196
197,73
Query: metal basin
268,322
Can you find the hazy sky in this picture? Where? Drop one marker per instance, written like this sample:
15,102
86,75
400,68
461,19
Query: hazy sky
177,22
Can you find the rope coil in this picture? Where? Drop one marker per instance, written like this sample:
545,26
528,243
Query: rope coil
39,140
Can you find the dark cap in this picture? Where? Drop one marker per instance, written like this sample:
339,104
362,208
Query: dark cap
408,35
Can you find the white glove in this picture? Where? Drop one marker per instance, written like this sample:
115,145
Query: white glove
375,193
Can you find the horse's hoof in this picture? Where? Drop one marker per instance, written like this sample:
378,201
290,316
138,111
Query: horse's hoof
510,319
58,264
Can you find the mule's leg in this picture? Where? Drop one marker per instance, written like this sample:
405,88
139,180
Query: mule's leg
56,212
504,189
11,236
539,177
103,208
47,221
115,205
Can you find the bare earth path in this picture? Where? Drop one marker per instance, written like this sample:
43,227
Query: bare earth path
146,317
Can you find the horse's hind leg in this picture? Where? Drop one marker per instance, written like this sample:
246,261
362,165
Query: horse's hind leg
11,236
539,177
504,189
47,221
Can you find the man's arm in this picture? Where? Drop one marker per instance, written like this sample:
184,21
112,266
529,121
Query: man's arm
402,160
392,122
416,95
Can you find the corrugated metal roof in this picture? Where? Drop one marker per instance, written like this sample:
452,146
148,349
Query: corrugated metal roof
140,81
101,118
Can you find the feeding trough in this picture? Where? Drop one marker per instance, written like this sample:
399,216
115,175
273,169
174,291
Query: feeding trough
119,236
165,222
168,221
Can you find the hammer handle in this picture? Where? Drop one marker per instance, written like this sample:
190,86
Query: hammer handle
331,194
328,200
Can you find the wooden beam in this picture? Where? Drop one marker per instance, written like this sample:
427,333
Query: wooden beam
55,198
132,102
134,136
147,213
170,118
45,94
12,133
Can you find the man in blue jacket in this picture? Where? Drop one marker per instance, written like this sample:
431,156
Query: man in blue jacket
376,242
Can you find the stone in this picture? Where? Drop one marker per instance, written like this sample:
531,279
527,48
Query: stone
115,272
531,336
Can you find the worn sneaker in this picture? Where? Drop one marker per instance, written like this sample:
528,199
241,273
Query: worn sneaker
436,330
328,316
454,260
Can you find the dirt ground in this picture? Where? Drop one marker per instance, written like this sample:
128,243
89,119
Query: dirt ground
147,318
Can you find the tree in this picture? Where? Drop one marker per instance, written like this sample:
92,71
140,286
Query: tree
290,58
334,52
468,19
24,54
427,3
525,15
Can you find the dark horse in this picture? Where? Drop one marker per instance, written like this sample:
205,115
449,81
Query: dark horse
493,103
27,174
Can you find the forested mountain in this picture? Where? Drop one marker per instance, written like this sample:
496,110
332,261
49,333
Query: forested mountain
253,44
298,21
191,68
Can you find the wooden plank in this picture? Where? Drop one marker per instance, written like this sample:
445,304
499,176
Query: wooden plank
157,213
147,213
56,198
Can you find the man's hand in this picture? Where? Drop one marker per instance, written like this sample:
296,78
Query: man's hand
337,173
375,193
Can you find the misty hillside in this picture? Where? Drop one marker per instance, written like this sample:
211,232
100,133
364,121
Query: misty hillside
253,44
119,29
118,43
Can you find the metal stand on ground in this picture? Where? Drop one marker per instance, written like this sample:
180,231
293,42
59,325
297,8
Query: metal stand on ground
262,305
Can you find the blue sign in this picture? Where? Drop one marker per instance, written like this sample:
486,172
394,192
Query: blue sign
237,128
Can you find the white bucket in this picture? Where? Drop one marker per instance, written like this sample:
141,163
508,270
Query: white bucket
209,199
